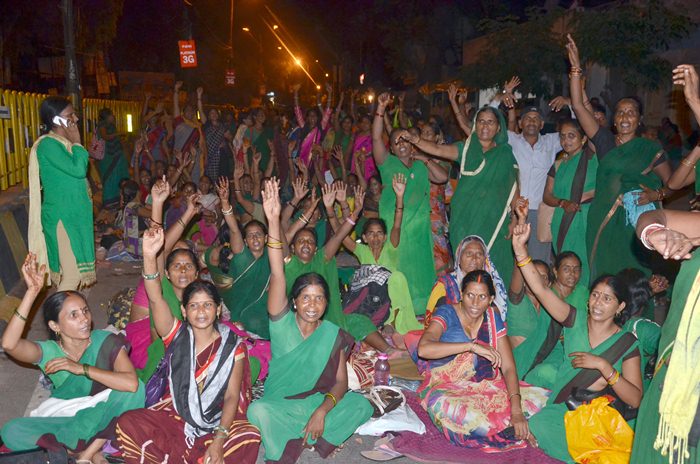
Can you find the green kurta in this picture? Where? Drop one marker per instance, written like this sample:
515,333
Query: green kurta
575,239
112,176
548,424
66,199
620,171
402,316
244,290
481,201
75,431
416,248
643,451
357,325
297,371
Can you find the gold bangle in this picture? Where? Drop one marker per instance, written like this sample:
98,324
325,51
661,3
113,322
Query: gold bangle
615,378
525,262
330,395
685,162
16,313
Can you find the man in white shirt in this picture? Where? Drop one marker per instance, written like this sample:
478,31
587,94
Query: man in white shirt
535,155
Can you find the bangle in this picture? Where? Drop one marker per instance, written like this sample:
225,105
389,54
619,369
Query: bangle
330,395
182,223
221,429
150,276
292,204
607,379
349,219
157,223
304,219
227,212
685,162
561,200
16,313
615,378
236,190
378,114
510,397
86,371
399,209
650,229
661,192
525,262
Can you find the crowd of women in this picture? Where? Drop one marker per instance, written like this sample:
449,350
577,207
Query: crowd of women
241,230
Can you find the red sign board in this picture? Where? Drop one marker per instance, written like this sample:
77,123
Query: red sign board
188,54
230,77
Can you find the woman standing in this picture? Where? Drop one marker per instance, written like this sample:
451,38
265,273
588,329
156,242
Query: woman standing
201,415
93,381
632,172
415,252
60,218
306,400
486,160
113,167
570,188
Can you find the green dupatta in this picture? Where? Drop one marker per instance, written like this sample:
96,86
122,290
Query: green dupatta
156,350
244,289
481,201
611,243
357,325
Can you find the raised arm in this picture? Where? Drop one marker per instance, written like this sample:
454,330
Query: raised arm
336,113
461,118
378,148
153,240
297,108
556,307
448,152
687,76
398,183
176,99
585,117
277,293
238,173
333,244
200,106
236,238
13,343
304,219
160,192
330,195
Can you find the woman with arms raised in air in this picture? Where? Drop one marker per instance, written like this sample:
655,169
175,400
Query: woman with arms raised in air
306,401
93,381
471,388
201,414
604,357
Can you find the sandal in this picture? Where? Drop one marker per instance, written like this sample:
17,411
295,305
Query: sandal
381,453
384,399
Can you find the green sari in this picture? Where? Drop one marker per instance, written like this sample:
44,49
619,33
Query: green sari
613,246
416,260
548,424
481,201
648,333
643,451
357,325
575,238
403,316
76,431
301,372
244,290
258,141
113,167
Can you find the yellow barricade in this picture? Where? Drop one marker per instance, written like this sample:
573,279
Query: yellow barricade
17,134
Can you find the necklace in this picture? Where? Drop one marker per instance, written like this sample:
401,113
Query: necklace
302,332
71,357
211,350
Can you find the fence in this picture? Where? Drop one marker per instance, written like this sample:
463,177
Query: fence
17,134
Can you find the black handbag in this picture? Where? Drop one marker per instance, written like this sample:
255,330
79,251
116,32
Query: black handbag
579,396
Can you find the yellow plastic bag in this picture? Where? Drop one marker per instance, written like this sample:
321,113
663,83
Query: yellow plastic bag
597,434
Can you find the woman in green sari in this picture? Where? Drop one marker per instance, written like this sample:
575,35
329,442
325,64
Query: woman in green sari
113,167
306,402
631,173
416,260
672,395
570,188
260,137
93,381
604,358
486,160
242,273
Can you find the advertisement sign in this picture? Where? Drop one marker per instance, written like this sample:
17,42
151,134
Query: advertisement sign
230,77
188,54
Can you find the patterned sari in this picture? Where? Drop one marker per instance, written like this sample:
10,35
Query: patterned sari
465,396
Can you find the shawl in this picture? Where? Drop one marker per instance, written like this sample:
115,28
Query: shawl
680,395
200,410
453,280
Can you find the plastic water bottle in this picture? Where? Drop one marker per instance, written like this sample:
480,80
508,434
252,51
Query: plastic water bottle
381,370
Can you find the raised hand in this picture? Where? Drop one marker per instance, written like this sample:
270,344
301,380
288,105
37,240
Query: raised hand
178,85
153,240
382,101
341,192
296,87
300,189
452,92
559,102
658,283
328,192
511,84
238,171
200,92
687,76
462,99
271,199
303,169
572,50
193,203
160,191
522,207
521,234
329,88
359,198
222,189
257,156
33,273
399,184
338,153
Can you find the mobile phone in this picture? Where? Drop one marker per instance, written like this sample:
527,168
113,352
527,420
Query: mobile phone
60,121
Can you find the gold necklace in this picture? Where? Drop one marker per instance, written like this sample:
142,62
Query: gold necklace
69,356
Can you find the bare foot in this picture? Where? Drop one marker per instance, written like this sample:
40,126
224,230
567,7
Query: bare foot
99,458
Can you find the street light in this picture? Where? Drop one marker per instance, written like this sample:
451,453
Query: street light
326,74
246,29
298,62
279,47
275,27
318,87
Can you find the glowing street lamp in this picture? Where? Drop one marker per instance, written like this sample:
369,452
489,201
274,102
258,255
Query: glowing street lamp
275,27
318,87
297,61
326,74
246,29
